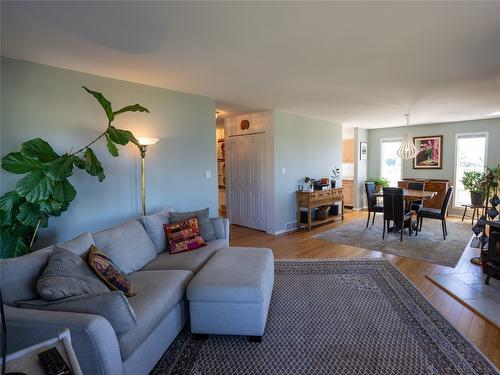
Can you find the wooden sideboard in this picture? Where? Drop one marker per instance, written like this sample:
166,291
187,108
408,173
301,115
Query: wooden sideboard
439,186
315,199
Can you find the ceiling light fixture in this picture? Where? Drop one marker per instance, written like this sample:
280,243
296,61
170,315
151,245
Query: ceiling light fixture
407,149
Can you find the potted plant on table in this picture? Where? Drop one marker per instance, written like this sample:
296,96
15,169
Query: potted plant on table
379,183
473,182
334,177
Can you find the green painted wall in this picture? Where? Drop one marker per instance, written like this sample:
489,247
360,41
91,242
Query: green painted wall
47,102
304,147
449,132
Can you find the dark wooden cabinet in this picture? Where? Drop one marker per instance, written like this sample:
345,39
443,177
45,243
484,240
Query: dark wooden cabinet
439,186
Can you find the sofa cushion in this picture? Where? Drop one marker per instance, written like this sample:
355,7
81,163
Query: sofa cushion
111,305
80,245
18,276
154,226
184,236
128,245
67,275
206,229
157,293
109,273
188,260
219,226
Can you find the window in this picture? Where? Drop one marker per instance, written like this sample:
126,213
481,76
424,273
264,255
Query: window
390,161
470,156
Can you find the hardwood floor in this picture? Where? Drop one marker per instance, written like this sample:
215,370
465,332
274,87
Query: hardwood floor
301,245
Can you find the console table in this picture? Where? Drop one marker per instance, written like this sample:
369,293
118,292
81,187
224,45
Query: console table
313,199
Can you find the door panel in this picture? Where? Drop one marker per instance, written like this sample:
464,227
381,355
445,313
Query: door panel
245,160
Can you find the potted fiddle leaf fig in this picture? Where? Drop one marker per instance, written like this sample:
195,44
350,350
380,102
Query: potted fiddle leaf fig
473,182
45,189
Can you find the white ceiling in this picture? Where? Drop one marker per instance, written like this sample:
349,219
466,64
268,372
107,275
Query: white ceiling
358,63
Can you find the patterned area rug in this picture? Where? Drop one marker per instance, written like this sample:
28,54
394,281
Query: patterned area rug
336,317
428,245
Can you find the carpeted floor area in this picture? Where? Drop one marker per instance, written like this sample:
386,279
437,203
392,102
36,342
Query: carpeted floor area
428,245
336,317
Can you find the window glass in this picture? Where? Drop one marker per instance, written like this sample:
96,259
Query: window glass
391,162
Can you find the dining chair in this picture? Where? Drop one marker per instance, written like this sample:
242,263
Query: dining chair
394,210
434,213
418,204
373,205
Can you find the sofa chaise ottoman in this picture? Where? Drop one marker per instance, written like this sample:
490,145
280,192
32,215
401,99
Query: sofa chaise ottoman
231,294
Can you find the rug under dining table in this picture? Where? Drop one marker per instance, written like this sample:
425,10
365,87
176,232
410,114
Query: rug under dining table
429,245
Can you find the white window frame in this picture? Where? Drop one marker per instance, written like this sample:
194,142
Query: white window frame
455,159
382,140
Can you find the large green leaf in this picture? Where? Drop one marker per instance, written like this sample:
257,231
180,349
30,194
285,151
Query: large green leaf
105,103
35,186
60,168
9,201
93,165
120,136
51,207
6,218
111,146
12,245
38,149
64,193
78,162
21,230
16,162
29,214
131,108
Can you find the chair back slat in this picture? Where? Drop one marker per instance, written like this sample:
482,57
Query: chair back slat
394,207
446,201
370,190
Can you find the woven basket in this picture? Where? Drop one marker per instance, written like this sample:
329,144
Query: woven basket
322,212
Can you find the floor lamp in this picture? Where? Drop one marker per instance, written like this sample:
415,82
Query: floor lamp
143,146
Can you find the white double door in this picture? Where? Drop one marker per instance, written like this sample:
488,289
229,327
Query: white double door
246,173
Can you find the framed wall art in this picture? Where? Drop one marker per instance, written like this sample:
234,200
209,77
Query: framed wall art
430,152
363,151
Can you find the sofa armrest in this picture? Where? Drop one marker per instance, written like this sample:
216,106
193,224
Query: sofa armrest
221,228
92,336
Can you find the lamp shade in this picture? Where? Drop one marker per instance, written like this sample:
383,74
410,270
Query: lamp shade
407,150
143,141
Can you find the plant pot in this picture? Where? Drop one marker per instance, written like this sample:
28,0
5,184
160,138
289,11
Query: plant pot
378,188
477,198
333,183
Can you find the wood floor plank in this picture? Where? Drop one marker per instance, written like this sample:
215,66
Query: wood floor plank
302,245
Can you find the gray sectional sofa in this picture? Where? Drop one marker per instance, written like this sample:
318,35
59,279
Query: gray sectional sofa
159,278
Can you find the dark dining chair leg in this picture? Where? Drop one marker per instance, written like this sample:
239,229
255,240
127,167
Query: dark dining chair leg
420,225
383,232
465,211
444,230
445,227
402,230
368,221
410,231
373,220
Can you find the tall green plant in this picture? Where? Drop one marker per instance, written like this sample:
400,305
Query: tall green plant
473,181
45,190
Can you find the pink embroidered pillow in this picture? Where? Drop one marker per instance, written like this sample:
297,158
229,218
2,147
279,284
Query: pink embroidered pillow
183,236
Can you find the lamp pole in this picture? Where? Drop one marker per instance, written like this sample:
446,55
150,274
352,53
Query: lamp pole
143,147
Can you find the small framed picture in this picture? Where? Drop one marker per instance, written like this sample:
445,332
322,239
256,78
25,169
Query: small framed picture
363,151
430,152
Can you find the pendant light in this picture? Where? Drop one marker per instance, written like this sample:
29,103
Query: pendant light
407,149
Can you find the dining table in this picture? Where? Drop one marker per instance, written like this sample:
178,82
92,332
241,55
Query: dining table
409,195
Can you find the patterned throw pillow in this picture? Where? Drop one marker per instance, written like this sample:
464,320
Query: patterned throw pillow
114,277
183,236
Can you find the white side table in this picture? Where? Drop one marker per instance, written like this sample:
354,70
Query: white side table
26,360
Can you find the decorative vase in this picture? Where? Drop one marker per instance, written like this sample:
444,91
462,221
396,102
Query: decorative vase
333,183
476,198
